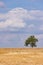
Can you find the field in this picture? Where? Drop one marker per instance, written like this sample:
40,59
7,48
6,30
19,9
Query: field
21,56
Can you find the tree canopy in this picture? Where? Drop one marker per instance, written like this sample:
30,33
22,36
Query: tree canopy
31,41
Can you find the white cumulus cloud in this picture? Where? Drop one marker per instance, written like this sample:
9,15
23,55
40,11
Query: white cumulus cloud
15,18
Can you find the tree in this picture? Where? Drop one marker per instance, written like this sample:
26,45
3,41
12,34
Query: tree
31,41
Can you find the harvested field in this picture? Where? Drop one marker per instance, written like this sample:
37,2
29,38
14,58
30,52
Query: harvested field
21,56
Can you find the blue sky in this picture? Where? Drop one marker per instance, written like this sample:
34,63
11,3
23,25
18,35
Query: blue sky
18,20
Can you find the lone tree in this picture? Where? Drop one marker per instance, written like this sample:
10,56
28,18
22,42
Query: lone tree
31,41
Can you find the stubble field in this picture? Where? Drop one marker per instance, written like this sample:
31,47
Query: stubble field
21,56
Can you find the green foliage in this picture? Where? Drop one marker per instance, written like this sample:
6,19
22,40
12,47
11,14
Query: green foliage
32,41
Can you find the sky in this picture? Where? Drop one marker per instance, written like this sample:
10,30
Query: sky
20,19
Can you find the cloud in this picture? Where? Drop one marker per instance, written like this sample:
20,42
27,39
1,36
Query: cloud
12,24
2,16
2,5
15,19
24,13
36,14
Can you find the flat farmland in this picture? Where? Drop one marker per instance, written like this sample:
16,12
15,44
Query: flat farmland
21,56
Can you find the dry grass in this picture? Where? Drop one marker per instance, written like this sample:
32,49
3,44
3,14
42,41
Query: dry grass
21,56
